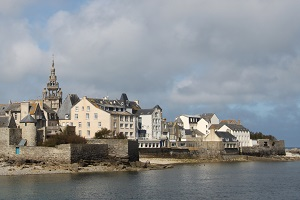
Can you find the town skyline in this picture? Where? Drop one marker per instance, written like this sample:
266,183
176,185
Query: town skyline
190,58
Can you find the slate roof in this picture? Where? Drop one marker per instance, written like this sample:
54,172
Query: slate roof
65,108
147,111
207,116
99,103
48,109
7,122
28,119
4,121
195,131
236,127
14,107
226,135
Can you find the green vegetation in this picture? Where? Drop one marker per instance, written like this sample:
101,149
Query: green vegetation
66,137
105,133
259,135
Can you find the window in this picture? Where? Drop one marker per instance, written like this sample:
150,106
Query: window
66,116
121,125
95,115
88,108
16,116
99,124
131,125
71,123
88,124
82,108
79,124
79,132
115,125
126,125
121,118
131,118
126,118
76,116
131,134
88,132
87,116
76,109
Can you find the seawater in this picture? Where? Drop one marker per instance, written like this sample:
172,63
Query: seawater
237,180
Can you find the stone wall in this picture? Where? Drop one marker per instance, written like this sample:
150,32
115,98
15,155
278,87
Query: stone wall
10,136
265,148
207,149
120,148
64,153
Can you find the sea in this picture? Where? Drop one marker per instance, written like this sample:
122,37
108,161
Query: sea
235,180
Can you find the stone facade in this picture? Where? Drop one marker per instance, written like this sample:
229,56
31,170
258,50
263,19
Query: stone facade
120,148
265,147
203,149
10,136
64,153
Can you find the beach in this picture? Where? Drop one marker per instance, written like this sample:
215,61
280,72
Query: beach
145,163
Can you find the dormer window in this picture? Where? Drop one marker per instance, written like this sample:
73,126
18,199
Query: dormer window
66,116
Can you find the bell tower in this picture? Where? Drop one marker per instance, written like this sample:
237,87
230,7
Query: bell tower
52,94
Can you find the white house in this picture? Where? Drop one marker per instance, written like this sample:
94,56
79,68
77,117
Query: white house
150,121
199,122
240,132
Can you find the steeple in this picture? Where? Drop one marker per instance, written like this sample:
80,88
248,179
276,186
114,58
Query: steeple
52,94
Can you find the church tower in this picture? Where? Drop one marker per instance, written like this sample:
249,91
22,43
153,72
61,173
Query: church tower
52,95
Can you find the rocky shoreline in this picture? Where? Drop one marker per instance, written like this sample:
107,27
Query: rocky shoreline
29,167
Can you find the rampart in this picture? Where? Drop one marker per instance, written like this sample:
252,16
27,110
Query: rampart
265,147
120,148
64,153
206,149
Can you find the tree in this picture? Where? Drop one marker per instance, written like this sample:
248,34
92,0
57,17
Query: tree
66,137
102,134
259,135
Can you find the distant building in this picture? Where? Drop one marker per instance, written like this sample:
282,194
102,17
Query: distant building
150,123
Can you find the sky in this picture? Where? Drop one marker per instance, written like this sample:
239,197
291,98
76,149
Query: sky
237,59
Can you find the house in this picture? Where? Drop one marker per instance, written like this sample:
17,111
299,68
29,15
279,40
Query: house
89,115
150,120
64,112
229,141
199,122
239,131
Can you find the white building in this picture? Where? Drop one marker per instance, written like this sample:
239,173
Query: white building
240,132
151,122
199,122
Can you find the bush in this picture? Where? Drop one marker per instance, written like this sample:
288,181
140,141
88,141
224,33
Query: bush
64,138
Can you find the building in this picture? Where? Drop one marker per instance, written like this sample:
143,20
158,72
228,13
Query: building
199,122
52,94
150,123
89,115
241,133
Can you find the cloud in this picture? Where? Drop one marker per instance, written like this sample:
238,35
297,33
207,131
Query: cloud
235,58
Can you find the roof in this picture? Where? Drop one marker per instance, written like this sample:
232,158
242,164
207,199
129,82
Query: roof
236,127
147,111
47,109
28,119
207,116
4,121
226,135
14,107
99,103
215,126
194,131
65,108
7,122
32,108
